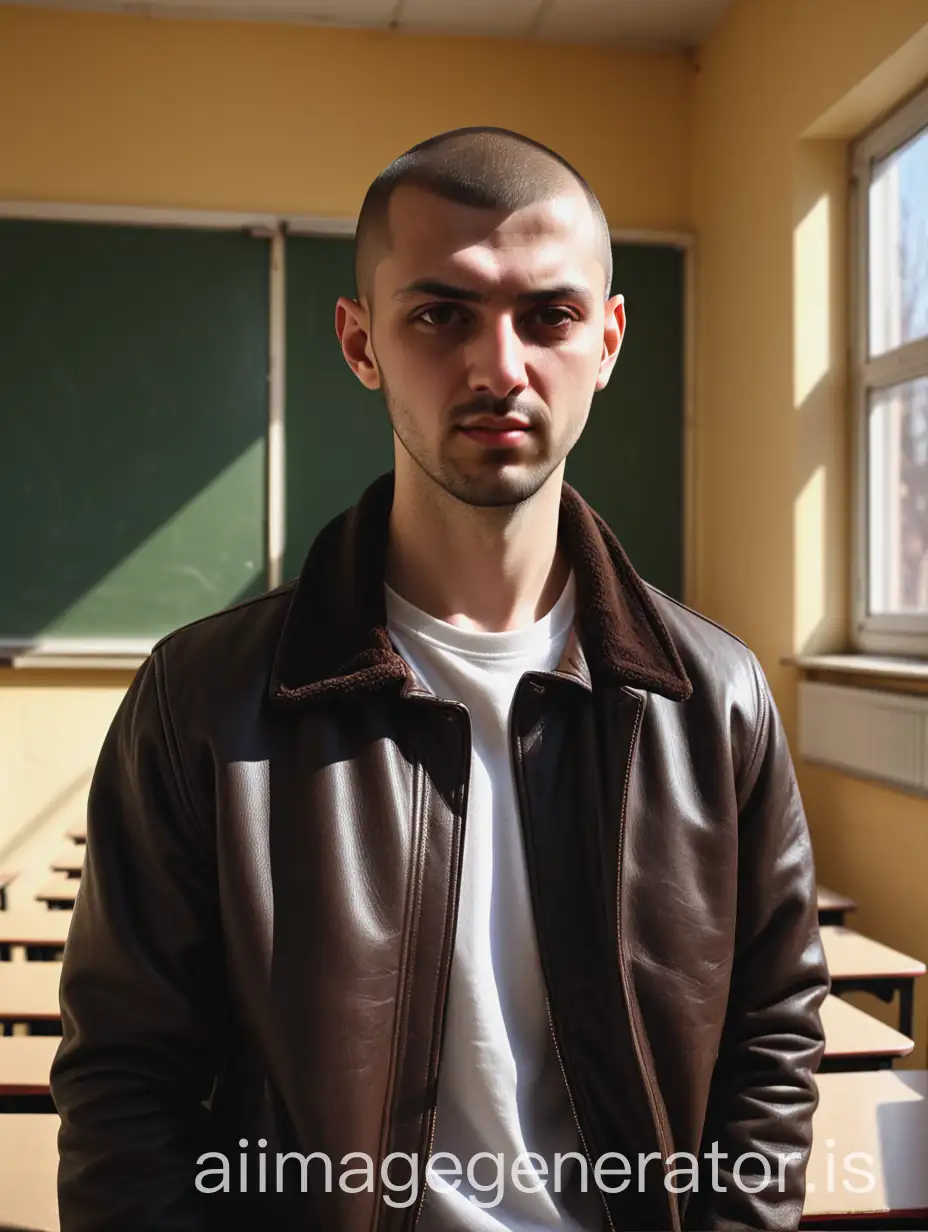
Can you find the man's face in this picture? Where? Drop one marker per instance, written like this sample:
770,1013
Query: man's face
488,335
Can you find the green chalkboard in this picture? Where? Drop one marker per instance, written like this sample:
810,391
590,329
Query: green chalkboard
629,461
338,433
133,400
627,464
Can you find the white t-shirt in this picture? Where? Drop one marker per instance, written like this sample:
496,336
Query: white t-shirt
501,1088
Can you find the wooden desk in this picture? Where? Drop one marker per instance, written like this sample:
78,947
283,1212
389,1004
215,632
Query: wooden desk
77,833
29,1171
70,861
857,1041
42,932
25,1062
883,1114
5,879
29,993
59,892
858,963
833,907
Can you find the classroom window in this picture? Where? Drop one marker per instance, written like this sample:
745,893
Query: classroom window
890,353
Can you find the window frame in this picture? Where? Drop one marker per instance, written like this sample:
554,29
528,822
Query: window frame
877,633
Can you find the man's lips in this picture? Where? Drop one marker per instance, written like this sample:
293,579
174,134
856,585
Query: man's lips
497,432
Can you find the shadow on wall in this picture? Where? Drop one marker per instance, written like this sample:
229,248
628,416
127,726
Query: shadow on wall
74,794
820,508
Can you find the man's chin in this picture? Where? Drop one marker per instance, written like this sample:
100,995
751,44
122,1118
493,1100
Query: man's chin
508,486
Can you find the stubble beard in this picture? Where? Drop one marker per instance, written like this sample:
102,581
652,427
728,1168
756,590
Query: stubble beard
490,484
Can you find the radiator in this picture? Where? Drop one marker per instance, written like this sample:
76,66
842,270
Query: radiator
866,732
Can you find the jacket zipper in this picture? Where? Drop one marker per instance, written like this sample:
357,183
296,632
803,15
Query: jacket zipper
657,1111
456,890
573,1108
428,1156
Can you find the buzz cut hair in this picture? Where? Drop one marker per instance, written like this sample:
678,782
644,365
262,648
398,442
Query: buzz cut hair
485,167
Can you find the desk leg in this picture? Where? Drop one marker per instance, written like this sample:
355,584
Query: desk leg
14,1104
886,990
906,1007
853,1065
43,953
44,1026
831,915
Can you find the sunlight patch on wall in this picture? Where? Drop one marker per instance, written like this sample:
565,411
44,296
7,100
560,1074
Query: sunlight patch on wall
811,295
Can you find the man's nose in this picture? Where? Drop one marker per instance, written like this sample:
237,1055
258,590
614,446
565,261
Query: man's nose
497,360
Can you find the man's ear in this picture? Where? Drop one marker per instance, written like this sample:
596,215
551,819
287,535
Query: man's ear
613,333
353,327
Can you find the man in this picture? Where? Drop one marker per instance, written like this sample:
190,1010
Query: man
468,865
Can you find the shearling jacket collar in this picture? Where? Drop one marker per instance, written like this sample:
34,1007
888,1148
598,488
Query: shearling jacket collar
335,640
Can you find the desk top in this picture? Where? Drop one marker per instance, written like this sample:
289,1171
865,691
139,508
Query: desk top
59,889
25,1063
34,926
29,991
849,1032
829,900
884,1115
29,1170
849,955
69,860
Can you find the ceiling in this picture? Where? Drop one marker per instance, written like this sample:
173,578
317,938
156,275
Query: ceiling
633,23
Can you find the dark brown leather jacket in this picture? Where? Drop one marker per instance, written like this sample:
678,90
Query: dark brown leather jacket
261,943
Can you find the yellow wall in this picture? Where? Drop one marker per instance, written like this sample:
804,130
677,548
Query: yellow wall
51,726
100,108
781,86
104,109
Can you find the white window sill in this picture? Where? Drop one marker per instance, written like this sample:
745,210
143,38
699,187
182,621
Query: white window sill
884,667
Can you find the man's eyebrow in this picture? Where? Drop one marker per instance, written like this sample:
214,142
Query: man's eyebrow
441,290
566,290
445,290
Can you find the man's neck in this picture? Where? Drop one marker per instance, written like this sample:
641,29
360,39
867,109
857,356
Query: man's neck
484,569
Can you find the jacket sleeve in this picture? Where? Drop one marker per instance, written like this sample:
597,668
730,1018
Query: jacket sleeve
142,987
763,1092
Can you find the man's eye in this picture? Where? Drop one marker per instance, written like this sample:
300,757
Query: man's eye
440,314
553,317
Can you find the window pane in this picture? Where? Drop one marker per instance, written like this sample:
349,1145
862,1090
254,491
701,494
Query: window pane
898,498
899,247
